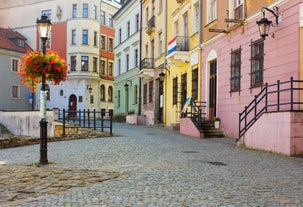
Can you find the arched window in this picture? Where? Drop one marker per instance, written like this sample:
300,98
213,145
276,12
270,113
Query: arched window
110,93
47,89
102,92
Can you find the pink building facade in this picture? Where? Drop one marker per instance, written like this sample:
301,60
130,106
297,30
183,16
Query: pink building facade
281,61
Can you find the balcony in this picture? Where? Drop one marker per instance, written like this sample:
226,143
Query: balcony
150,25
147,68
178,48
179,1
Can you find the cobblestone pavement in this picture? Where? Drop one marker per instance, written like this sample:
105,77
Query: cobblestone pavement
154,167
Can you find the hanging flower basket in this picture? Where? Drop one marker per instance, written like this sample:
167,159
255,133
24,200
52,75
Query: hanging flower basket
34,64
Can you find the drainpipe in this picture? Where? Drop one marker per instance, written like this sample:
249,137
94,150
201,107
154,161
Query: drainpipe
140,57
200,49
165,63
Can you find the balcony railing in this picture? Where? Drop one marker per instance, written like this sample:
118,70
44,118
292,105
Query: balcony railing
148,63
179,43
150,24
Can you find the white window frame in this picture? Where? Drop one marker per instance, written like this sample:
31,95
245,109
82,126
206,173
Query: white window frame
18,92
212,10
12,65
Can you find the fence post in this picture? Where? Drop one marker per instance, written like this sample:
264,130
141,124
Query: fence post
245,118
102,119
94,119
88,118
79,117
278,98
63,124
255,108
111,112
84,118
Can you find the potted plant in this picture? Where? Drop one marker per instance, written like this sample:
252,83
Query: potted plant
34,65
217,122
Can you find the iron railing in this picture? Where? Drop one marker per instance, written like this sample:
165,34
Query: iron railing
196,111
281,96
148,63
87,119
182,43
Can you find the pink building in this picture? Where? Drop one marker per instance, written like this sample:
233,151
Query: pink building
236,65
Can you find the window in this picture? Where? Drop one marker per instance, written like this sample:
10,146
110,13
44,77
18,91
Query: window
80,99
150,91
160,5
47,13
120,35
238,9
102,92
127,62
85,10
110,93
95,64
137,23
183,88
74,37
160,43
102,17
176,28
91,99
136,58
110,69
185,25
95,12
15,65
110,20
257,63
145,94
146,16
84,63
119,99
61,92
102,67
196,19
20,43
194,87
85,37
212,10
110,44
74,12
235,70
95,38
73,63
15,91
128,29
102,42
47,90
119,66
175,90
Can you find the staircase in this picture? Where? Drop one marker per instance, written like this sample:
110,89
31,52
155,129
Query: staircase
3,130
210,131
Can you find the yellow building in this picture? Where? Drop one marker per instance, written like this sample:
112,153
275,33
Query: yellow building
182,73
153,43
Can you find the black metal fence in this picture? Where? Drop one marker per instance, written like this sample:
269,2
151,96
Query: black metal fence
87,119
281,96
196,111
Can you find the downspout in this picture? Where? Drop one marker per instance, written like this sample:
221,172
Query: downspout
140,57
165,63
200,49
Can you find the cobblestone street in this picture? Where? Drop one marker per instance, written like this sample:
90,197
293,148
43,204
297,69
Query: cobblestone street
149,167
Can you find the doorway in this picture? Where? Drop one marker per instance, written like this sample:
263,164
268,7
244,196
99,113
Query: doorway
72,106
212,89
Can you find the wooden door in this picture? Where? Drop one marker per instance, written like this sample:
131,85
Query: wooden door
212,90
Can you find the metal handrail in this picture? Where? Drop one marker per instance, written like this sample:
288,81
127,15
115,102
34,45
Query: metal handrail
280,96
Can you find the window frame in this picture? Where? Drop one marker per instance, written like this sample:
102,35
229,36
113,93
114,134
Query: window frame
85,37
175,91
74,11
235,70
85,10
257,63
73,63
14,64
85,63
15,92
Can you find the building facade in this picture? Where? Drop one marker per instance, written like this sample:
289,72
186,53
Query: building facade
77,35
153,60
182,73
237,62
13,95
127,97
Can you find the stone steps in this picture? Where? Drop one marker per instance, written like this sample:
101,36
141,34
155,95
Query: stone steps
210,131
4,130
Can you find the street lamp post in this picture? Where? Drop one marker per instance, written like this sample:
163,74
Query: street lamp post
44,27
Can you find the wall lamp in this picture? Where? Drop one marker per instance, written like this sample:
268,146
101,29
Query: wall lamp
264,23
162,74
126,85
89,88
